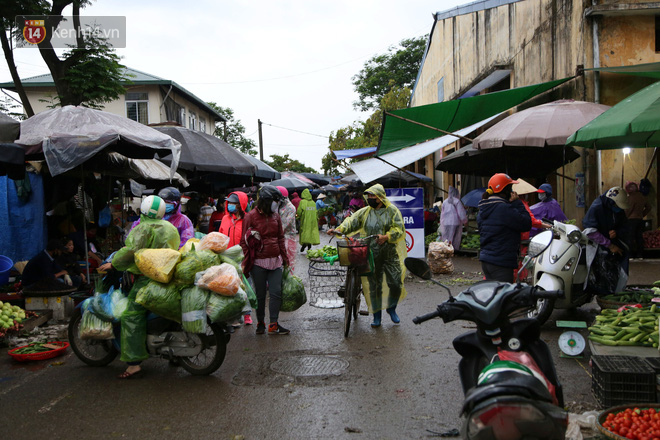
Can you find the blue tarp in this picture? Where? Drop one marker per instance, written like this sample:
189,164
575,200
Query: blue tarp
355,153
22,224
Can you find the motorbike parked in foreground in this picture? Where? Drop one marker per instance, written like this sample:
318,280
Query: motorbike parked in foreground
507,373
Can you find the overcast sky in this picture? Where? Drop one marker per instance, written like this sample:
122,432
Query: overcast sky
288,62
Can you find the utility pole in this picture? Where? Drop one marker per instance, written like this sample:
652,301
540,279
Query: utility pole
261,142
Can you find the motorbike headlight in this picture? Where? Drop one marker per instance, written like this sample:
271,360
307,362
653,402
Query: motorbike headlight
574,236
504,421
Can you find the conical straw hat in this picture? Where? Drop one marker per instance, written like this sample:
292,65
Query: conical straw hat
523,187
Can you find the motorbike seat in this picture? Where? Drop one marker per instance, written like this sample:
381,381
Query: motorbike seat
507,384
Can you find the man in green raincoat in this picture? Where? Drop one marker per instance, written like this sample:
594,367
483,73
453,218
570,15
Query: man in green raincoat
309,222
381,218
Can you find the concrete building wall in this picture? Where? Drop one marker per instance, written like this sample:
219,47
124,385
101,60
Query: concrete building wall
542,40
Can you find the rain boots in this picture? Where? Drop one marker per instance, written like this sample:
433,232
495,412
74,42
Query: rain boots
393,315
377,317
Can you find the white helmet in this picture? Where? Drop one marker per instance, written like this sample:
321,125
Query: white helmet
153,207
619,196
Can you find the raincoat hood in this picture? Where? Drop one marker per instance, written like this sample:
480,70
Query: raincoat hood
306,195
379,192
242,201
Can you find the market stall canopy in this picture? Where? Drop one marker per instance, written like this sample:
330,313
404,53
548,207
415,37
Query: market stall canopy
10,128
392,179
319,179
68,136
515,161
633,122
369,170
291,184
263,170
203,152
401,127
140,169
299,176
648,70
355,153
540,126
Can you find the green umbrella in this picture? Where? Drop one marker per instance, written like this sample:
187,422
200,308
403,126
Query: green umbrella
634,123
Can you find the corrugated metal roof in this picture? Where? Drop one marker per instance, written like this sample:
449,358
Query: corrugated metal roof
472,7
133,77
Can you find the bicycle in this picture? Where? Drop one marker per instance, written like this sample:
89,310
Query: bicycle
354,253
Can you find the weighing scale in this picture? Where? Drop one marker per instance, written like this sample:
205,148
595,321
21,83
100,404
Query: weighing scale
571,342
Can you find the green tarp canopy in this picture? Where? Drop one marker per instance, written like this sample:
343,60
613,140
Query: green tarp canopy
633,122
451,115
650,70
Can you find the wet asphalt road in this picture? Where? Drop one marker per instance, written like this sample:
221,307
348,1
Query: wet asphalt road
394,382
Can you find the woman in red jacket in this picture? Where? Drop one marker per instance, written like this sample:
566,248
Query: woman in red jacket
232,226
262,241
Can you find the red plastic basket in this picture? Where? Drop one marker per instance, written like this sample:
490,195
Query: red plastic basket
39,356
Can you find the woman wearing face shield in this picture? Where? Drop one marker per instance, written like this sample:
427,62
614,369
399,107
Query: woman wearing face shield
262,241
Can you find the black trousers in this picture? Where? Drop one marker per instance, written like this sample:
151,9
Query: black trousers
497,273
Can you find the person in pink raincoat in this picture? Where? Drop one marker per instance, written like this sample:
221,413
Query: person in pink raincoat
288,215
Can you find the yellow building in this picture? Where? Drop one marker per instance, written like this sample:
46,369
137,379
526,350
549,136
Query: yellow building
148,100
494,45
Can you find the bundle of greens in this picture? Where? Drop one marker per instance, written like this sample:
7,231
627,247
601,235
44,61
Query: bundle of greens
162,299
193,309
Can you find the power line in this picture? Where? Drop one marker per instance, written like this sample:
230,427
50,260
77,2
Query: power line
297,131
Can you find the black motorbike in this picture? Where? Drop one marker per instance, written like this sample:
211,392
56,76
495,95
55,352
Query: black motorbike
508,376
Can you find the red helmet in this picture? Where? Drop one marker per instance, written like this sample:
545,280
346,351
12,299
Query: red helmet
499,181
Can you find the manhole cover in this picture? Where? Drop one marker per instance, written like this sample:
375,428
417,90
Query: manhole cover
310,366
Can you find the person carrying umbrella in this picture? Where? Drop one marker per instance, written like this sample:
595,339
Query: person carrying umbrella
383,219
309,229
501,219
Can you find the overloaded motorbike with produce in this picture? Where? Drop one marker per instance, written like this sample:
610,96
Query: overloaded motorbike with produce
191,295
508,376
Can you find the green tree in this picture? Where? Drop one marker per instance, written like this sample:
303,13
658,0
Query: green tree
285,163
398,67
363,134
233,131
88,74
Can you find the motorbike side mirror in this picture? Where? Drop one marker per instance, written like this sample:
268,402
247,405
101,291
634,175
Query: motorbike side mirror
419,268
526,262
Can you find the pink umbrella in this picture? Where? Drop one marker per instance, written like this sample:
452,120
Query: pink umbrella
544,125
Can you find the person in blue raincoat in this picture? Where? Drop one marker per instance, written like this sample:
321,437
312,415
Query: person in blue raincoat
383,288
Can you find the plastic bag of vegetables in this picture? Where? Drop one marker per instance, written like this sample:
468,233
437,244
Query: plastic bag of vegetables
190,245
225,308
234,253
93,327
193,309
193,262
124,260
249,290
215,241
157,264
108,306
293,292
222,279
162,299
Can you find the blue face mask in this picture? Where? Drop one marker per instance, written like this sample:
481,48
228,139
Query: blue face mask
169,208
231,207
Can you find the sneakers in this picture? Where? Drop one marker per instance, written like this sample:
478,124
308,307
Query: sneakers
261,328
247,320
275,329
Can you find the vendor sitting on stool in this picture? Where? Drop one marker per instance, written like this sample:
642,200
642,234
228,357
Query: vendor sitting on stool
43,273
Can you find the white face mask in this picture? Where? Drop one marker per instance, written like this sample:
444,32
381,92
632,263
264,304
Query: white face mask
274,206
542,196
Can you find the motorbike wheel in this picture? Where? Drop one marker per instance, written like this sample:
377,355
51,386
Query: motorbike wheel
214,349
543,309
93,352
